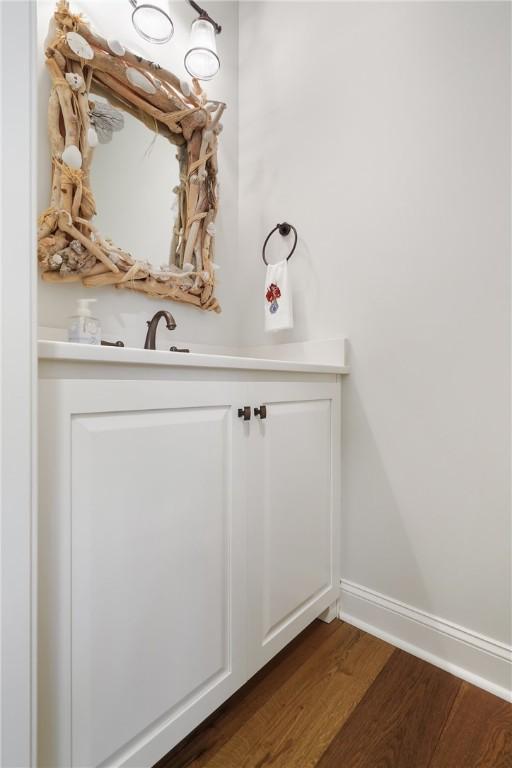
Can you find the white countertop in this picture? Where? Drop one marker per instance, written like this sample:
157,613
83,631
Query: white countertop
63,350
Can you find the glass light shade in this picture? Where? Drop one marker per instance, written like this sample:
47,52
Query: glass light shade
201,60
152,23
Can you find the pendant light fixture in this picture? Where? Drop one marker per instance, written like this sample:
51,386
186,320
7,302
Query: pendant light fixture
201,59
152,23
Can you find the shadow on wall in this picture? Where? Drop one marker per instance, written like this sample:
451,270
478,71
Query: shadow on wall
377,551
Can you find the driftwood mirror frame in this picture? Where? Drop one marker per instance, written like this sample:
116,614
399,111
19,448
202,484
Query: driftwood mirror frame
69,246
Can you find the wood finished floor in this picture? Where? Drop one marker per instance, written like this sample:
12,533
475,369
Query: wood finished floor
339,698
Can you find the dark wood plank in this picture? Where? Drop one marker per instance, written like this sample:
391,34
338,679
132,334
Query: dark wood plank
216,731
338,698
291,710
478,733
299,719
400,719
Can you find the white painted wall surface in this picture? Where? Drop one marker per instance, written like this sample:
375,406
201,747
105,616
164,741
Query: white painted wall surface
18,383
382,131
124,314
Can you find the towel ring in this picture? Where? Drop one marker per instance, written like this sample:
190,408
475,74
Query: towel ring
284,229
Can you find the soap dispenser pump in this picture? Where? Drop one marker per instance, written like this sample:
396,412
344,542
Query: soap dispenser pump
84,328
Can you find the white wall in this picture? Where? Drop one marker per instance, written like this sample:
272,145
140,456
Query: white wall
123,313
18,386
381,130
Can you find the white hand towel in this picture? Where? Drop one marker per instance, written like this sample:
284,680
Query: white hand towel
278,298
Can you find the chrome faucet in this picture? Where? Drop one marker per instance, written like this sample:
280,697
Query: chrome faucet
152,324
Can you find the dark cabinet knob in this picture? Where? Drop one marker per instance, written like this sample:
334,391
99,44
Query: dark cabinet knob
245,413
261,411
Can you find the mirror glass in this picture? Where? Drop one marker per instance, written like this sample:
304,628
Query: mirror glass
133,177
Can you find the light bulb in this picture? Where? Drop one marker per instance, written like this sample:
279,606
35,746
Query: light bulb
152,23
201,60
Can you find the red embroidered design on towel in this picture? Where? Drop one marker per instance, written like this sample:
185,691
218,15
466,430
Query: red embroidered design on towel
272,295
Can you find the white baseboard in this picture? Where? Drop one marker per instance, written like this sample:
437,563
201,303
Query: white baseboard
480,660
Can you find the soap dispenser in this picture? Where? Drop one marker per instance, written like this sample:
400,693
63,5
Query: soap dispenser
83,327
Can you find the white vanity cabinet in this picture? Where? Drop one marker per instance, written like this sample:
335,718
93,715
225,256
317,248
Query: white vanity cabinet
180,547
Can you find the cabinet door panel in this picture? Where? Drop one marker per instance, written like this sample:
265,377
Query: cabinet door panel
147,538
296,508
155,537
291,535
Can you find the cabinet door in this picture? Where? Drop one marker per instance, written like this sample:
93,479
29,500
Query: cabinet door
293,513
142,566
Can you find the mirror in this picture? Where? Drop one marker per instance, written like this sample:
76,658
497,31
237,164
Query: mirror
136,159
117,123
